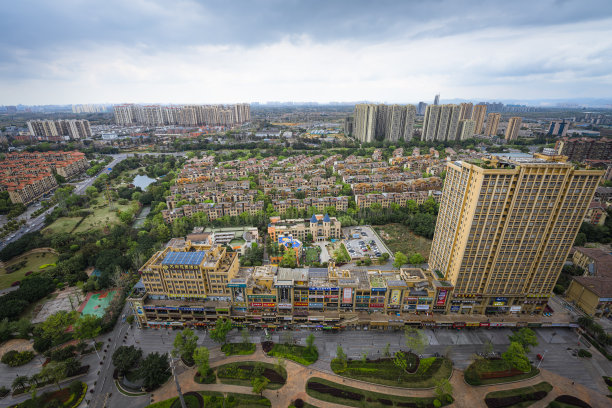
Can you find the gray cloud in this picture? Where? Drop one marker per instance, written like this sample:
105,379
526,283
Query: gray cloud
449,44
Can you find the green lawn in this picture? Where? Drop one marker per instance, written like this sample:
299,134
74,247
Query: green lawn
62,224
33,262
399,238
356,397
385,372
299,354
482,366
311,256
232,374
101,217
231,349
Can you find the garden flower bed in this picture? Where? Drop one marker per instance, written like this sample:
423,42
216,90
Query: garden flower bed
341,394
510,398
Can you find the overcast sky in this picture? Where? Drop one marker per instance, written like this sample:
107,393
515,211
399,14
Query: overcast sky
188,51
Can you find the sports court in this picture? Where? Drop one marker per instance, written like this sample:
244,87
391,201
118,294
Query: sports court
96,303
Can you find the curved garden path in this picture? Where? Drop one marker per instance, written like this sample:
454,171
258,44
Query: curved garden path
297,375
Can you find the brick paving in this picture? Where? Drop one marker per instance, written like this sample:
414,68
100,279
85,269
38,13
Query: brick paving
297,375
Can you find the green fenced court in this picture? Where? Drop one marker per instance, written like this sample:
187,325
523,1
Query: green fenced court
97,303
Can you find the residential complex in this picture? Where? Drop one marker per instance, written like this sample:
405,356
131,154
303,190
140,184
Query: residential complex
28,176
185,115
465,111
320,228
585,148
492,124
383,122
514,125
56,130
504,230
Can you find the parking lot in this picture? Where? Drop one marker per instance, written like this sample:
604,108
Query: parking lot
362,242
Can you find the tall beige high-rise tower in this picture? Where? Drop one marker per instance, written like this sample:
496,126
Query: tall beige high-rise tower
478,116
440,122
504,231
465,111
492,124
514,125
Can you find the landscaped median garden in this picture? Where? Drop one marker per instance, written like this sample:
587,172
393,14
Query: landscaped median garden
495,371
518,397
419,373
231,349
513,365
341,394
212,399
304,355
69,397
243,372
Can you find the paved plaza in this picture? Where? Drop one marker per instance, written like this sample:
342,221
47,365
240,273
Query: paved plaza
567,373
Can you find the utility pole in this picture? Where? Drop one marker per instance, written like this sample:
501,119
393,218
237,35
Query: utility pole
178,387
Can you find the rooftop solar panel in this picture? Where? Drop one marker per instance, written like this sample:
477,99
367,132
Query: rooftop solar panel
184,258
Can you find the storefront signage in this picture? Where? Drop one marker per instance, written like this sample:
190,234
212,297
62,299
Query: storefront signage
300,303
347,295
346,305
441,297
515,308
236,285
331,296
379,289
284,305
484,324
315,289
422,307
395,297
500,301
317,305
256,304
472,324
192,309
261,297
269,304
425,299
454,308
377,305
605,299
362,297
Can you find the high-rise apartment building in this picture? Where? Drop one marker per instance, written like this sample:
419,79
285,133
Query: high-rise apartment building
478,116
466,129
383,122
465,111
440,122
558,128
437,99
514,125
585,148
58,129
504,231
492,124
421,108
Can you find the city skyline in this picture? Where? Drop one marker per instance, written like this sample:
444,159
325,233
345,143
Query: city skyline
210,52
